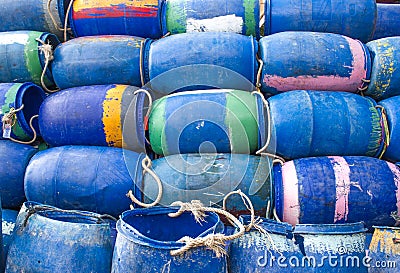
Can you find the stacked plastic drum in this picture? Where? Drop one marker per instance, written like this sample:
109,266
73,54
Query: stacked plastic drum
153,116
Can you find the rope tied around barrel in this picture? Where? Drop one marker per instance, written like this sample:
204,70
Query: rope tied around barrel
215,242
53,19
385,130
259,73
47,50
146,165
364,86
10,118
31,210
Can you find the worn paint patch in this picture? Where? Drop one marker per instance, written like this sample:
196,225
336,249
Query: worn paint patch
250,17
382,241
112,116
83,4
396,177
376,132
226,23
176,16
291,205
32,60
7,227
342,178
17,38
329,243
331,82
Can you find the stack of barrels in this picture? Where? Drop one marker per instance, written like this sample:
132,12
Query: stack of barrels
145,103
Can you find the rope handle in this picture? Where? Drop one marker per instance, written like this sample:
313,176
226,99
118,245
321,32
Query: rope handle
11,118
266,105
47,50
142,80
249,205
364,86
385,130
215,242
146,164
38,208
150,100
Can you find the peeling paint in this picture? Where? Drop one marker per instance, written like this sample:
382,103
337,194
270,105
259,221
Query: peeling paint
226,23
7,227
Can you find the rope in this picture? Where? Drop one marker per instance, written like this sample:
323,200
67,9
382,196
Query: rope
11,119
249,205
266,105
66,19
364,86
278,160
150,99
259,73
276,216
47,50
215,242
146,164
52,17
385,129
166,34
37,208
34,133
142,81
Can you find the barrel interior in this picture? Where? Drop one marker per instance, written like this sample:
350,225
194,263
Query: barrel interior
32,98
71,217
161,227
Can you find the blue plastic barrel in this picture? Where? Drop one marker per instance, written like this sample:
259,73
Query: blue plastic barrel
99,115
21,58
311,123
332,190
122,17
208,121
14,158
313,61
47,239
331,248
239,16
9,218
258,252
189,60
98,60
146,237
83,177
392,107
352,18
29,15
384,249
385,77
387,21
13,96
208,178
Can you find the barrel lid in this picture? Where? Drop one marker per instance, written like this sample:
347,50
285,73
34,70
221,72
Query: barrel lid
330,229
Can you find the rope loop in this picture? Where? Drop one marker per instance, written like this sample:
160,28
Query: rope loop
259,73
269,133
385,130
47,50
66,19
215,242
53,19
146,165
364,86
150,100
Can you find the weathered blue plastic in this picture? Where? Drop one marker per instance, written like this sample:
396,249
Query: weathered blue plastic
9,218
145,18
83,177
392,108
331,248
258,252
98,115
189,60
21,58
62,7
98,60
313,61
146,237
60,241
384,250
14,158
16,95
208,178
385,77
352,18
332,190
29,15
239,16
387,21
311,123
2,261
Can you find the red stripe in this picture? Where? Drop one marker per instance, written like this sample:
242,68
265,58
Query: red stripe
115,12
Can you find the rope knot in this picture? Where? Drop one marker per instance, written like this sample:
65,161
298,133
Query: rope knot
47,50
214,242
195,207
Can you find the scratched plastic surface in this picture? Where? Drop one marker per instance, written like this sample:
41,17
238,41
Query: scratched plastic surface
312,61
146,237
88,178
97,115
385,77
392,107
53,241
9,218
14,157
332,190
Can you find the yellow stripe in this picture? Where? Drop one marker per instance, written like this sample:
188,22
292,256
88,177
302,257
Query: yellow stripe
88,4
112,116
382,241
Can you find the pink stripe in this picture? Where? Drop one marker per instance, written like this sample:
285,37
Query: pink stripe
342,177
336,83
396,176
291,206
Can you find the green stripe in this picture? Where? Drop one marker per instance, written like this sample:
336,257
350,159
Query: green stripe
176,17
5,108
376,131
32,60
157,122
250,16
241,119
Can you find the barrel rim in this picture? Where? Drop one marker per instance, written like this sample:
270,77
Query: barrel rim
269,225
52,39
386,227
330,229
